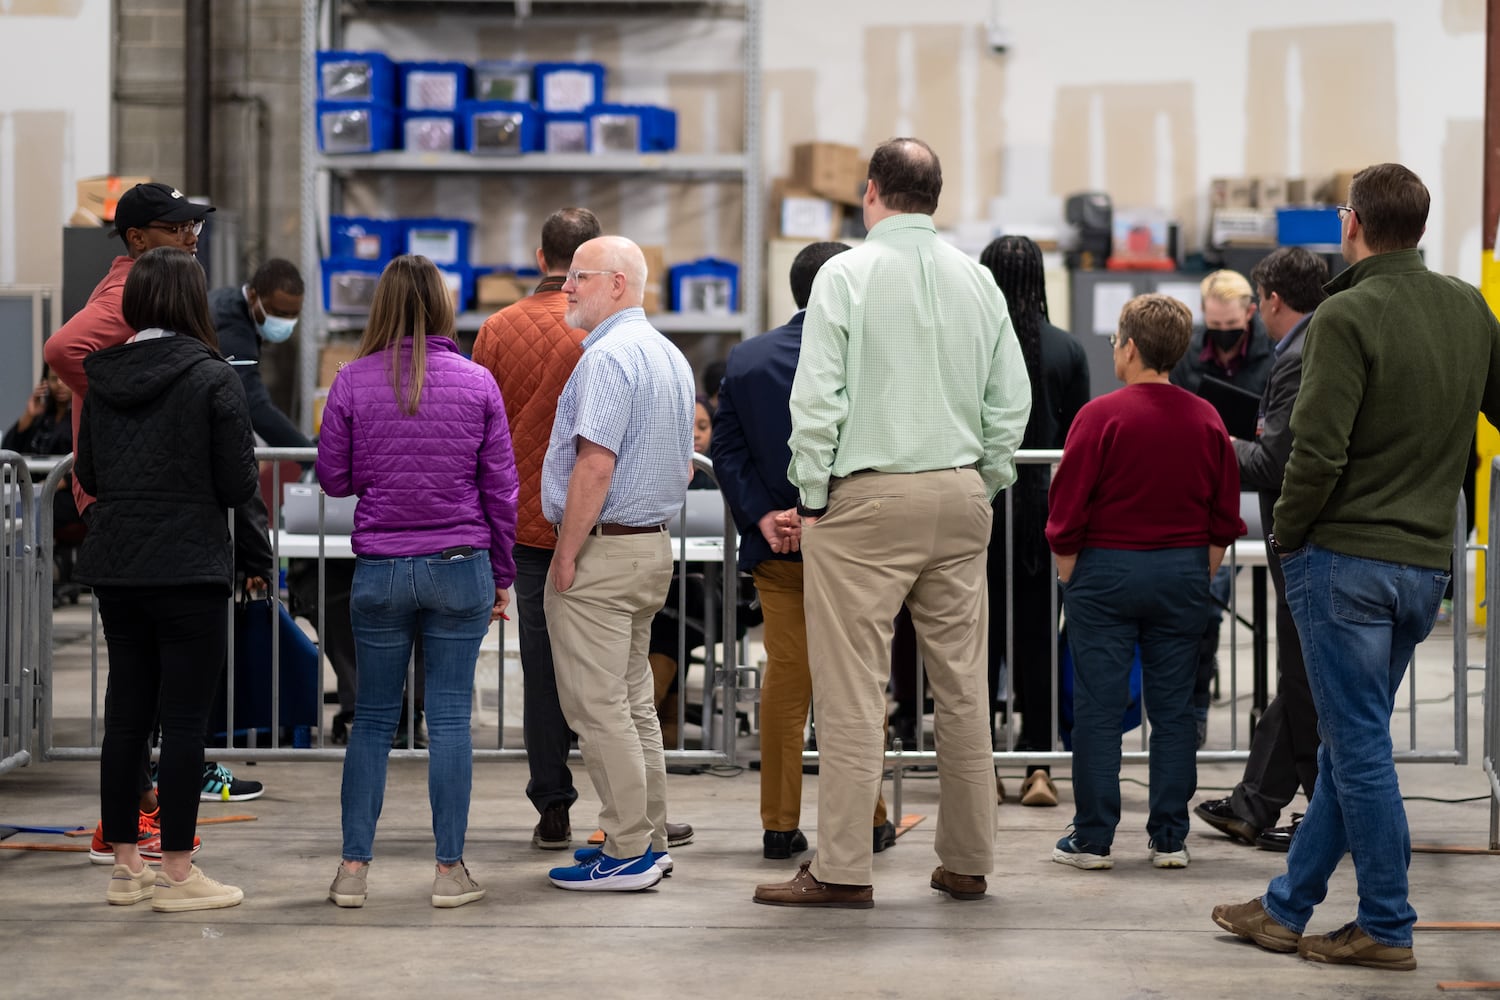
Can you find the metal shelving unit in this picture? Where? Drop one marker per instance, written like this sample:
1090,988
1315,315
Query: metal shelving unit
322,27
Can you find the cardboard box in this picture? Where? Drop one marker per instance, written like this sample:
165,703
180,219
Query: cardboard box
1296,190
335,355
1335,190
803,215
499,289
830,170
1268,193
1242,227
1231,192
99,195
656,277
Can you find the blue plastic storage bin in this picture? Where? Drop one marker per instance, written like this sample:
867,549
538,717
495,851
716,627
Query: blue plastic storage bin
566,132
631,128
356,77
353,237
349,285
707,285
431,131
434,86
355,128
501,128
502,80
460,280
569,86
1308,226
442,241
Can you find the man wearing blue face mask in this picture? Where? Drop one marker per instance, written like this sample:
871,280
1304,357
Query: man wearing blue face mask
264,309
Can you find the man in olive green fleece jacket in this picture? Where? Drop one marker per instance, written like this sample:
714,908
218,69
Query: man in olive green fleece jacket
1397,365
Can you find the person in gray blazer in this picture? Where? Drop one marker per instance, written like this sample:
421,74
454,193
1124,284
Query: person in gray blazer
1284,750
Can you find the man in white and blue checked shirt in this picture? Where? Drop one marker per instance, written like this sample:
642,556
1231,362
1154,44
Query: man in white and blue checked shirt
616,472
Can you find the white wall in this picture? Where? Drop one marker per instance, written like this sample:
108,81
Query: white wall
1359,81
54,82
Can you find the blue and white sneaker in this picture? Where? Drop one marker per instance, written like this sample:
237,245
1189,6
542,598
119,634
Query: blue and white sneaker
602,873
586,854
1079,853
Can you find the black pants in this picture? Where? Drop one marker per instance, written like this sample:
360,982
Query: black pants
166,649
1284,749
1035,631
338,635
542,723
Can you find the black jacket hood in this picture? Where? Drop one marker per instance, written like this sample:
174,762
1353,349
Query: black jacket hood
134,374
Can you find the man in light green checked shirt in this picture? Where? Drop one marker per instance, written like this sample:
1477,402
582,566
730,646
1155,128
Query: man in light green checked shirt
908,405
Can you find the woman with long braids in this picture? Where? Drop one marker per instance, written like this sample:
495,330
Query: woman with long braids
1059,374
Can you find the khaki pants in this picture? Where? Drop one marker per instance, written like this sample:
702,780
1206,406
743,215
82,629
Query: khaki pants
785,694
921,538
601,631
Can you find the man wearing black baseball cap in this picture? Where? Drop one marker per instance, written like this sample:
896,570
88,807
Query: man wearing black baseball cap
146,217
159,215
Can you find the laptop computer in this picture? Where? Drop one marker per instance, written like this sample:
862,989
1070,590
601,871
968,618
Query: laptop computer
299,510
1239,408
705,514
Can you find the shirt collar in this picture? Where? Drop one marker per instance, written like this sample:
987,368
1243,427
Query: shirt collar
1292,334
906,220
612,321
550,283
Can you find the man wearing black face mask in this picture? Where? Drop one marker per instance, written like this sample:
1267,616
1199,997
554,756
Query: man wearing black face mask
1232,344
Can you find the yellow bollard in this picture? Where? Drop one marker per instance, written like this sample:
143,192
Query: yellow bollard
1489,446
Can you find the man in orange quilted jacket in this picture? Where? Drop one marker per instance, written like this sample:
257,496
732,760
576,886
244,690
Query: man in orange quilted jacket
531,352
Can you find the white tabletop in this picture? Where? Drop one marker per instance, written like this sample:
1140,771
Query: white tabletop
305,546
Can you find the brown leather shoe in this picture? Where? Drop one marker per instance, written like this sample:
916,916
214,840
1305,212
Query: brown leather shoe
805,890
1251,921
679,834
1349,945
553,832
958,886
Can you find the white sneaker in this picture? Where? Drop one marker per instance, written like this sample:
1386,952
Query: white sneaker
1169,859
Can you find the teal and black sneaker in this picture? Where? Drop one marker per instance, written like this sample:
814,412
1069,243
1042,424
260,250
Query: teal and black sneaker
220,785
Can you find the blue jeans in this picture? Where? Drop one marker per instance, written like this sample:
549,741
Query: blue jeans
1360,620
448,602
1117,599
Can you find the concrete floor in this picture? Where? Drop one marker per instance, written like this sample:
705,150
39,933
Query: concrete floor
1043,931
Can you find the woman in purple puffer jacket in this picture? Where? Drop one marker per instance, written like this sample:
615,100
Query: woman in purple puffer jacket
418,433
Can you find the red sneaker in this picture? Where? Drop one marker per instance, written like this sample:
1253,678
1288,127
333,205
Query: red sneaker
148,840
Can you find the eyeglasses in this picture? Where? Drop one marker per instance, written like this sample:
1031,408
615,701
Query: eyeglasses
578,272
179,229
1345,210
1115,340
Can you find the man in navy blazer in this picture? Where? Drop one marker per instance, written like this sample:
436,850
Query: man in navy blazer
751,456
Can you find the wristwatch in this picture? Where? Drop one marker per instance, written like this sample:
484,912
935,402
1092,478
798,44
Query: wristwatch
805,511
1276,546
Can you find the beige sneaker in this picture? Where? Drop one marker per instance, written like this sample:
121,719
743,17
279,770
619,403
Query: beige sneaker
126,887
1349,945
348,889
455,888
1038,790
196,892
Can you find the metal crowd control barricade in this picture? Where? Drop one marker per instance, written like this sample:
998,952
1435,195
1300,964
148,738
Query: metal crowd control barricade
20,588
721,674
1248,552
1492,661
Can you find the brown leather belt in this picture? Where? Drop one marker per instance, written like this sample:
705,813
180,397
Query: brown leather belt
627,529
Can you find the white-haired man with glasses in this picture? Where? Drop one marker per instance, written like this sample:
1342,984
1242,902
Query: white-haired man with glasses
616,472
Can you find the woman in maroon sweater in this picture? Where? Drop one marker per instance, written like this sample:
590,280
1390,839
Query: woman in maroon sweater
1142,507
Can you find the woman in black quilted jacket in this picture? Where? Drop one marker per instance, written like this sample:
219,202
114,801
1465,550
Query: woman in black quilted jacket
165,445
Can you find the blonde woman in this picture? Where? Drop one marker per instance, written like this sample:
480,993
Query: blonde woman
418,433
